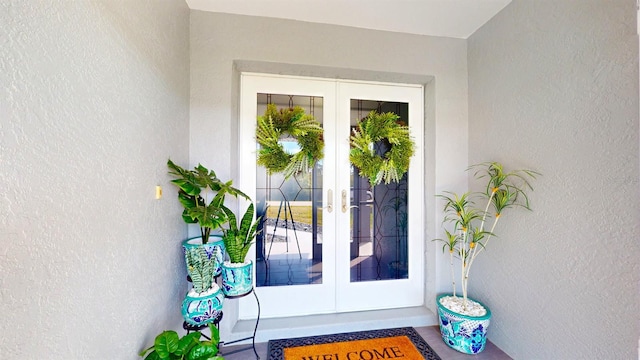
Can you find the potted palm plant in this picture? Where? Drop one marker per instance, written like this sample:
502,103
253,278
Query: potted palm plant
237,273
463,321
202,194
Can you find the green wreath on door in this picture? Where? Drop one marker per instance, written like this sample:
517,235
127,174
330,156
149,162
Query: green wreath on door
394,163
294,123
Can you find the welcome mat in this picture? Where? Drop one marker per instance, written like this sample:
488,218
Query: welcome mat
399,343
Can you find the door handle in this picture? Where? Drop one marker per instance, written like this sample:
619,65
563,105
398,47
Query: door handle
329,206
345,207
370,195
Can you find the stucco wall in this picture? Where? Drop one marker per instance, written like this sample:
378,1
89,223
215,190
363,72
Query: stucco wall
553,86
222,45
94,98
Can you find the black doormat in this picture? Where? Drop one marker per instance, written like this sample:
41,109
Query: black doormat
276,347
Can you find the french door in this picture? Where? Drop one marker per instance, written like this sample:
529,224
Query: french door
329,241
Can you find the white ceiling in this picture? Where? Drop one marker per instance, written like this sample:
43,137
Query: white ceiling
450,18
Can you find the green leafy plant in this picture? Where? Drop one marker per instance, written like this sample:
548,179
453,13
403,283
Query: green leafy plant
169,346
202,195
201,268
238,237
466,233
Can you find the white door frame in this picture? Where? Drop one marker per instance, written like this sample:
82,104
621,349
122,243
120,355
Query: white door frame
336,293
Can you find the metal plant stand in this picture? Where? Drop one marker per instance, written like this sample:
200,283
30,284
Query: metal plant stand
217,320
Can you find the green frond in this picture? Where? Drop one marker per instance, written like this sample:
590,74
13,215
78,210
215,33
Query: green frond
238,238
200,268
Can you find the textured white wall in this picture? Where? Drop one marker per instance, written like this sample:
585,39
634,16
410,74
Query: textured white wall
94,98
553,85
220,42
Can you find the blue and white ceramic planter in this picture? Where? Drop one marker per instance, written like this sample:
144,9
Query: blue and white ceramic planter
237,279
467,334
202,309
214,249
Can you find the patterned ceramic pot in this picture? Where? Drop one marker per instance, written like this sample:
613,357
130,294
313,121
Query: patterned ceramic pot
214,249
467,334
237,279
202,309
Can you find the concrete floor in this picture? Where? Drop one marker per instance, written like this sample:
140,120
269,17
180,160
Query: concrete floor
430,333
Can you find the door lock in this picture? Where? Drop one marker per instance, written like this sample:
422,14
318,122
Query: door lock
329,206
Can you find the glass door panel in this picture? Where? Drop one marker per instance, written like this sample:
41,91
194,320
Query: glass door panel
289,245
379,248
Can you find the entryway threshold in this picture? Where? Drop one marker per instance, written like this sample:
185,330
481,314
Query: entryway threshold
323,324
